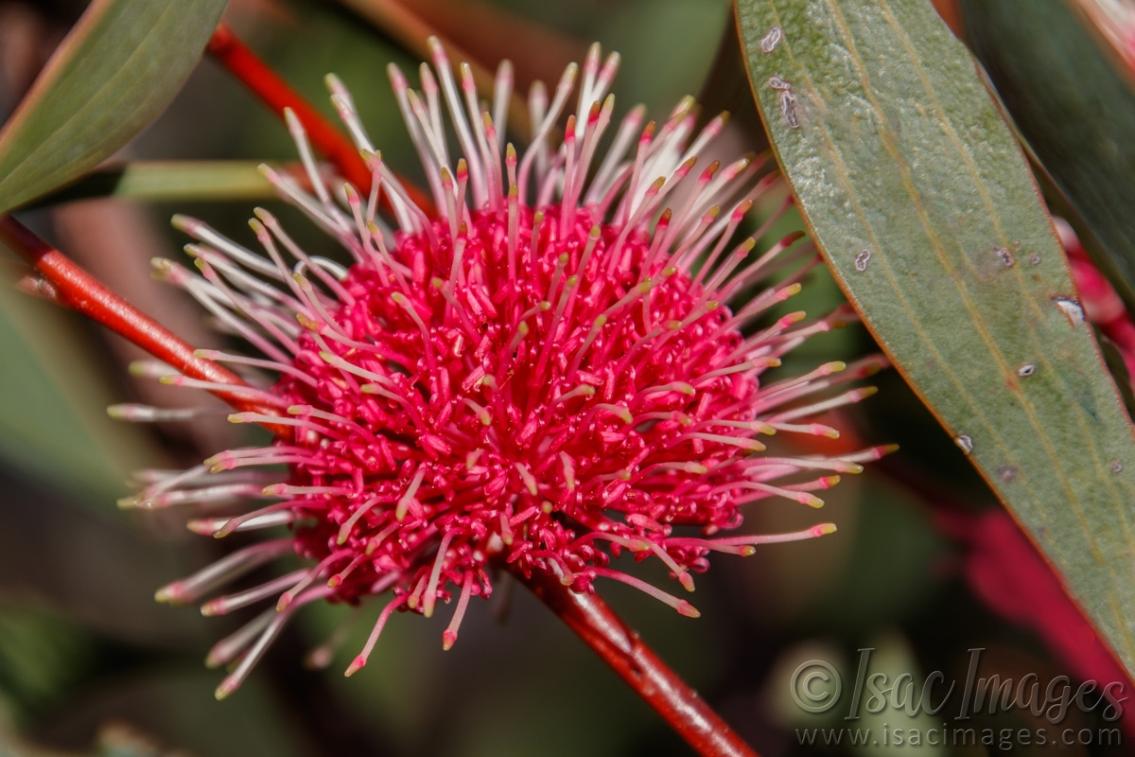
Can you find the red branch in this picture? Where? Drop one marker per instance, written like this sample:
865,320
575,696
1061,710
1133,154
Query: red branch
274,92
626,653
75,287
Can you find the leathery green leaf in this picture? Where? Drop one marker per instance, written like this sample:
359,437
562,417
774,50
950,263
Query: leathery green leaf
175,181
924,207
113,74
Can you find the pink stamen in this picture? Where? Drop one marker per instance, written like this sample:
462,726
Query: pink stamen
361,660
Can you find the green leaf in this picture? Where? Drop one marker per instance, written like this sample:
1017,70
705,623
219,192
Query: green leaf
113,74
174,181
925,209
1075,108
53,422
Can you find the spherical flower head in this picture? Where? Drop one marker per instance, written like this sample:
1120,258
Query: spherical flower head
559,364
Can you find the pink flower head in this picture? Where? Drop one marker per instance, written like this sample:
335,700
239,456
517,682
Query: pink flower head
563,365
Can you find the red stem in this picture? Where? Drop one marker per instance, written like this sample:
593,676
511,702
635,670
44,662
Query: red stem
274,92
73,286
625,652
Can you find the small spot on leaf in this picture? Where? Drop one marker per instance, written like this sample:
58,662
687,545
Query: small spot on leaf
862,260
1026,370
770,41
1071,308
964,442
788,109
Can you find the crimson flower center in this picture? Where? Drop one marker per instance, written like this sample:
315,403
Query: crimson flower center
561,379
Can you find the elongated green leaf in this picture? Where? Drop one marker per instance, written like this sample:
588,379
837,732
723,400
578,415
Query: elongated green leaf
174,181
114,73
1075,108
925,209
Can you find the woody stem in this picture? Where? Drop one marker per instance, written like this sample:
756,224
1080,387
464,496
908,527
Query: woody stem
240,61
75,287
643,670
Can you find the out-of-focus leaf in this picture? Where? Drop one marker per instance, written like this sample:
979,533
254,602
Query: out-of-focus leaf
117,69
85,565
41,655
169,706
1113,358
59,429
174,181
924,207
1113,21
402,22
1075,108
485,30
